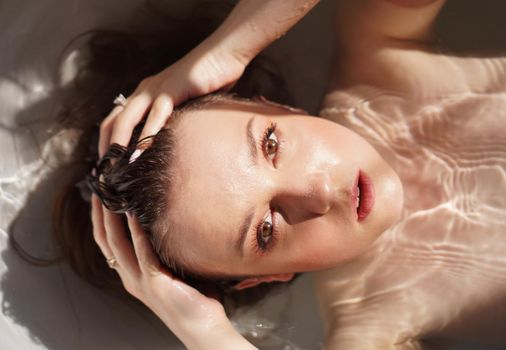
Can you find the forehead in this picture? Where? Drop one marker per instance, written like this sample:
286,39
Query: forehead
213,180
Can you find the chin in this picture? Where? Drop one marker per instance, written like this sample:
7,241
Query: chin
392,202
387,209
397,192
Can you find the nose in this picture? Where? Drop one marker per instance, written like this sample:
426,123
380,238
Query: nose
304,197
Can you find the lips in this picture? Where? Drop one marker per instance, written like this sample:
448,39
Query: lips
362,196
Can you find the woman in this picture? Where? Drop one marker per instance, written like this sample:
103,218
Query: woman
320,195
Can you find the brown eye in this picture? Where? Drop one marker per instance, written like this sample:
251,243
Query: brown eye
264,234
266,230
270,142
271,147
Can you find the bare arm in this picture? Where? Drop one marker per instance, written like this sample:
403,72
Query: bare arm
217,62
197,320
254,24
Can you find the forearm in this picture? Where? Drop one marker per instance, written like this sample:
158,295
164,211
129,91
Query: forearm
254,24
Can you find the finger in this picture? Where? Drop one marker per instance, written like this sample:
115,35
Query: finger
106,128
129,118
160,112
97,219
117,240
229,86
146,256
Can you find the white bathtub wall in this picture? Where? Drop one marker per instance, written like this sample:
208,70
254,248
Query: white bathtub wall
50,308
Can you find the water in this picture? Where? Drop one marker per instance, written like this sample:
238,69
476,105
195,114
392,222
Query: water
439,275
440,268
445,259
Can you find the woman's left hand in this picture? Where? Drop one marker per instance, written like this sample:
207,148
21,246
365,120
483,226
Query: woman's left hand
198,321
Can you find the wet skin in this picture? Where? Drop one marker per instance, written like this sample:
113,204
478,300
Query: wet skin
229,182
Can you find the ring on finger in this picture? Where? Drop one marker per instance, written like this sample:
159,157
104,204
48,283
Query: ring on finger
112,262
120,100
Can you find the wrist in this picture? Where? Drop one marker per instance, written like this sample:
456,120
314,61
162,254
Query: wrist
254,25
225,48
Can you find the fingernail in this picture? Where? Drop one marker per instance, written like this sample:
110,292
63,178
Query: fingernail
129,214
135,155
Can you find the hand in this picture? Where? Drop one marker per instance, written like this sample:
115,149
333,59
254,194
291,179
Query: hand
205,69
214,64
198,321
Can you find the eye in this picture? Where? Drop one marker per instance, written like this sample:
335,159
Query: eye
265,232
270,142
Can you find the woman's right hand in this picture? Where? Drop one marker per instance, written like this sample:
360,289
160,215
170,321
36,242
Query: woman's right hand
216,63
198,321
205,69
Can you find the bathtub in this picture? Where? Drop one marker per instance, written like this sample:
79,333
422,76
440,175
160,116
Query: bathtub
49,307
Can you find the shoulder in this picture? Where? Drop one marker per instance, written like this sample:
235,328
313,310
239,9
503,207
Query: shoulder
386,19
361,339
389,45
385,44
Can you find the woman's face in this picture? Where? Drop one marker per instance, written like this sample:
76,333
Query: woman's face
260,190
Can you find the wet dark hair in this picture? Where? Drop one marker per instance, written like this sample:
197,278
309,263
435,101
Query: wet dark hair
140,187
116,61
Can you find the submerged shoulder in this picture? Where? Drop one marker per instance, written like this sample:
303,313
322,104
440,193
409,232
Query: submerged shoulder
391,45
386,19
386,44
361,338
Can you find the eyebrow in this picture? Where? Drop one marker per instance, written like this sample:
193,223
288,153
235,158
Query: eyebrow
243,231
252,144
253,155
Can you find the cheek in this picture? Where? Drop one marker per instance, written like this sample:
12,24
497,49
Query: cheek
307,150
328,143
323,244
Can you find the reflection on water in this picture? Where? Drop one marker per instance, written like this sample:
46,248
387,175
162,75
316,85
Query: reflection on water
440,273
